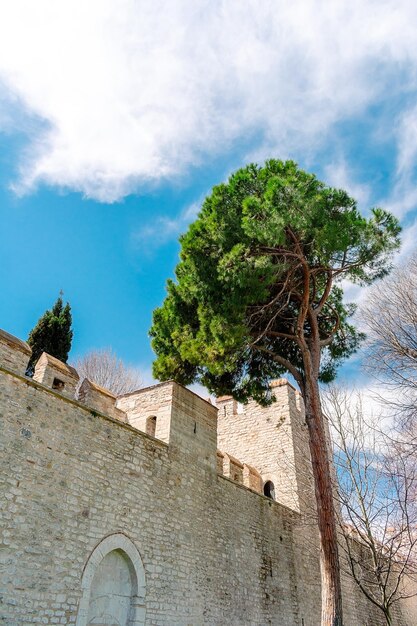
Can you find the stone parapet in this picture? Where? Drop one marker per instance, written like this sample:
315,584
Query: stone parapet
271,439
232,468
14,353
252,478
55,374
149,409
239,472
227,405
100,399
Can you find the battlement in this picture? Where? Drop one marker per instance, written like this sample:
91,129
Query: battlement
260,448
80,465
57,375
100,399
60,377
239,472
165,411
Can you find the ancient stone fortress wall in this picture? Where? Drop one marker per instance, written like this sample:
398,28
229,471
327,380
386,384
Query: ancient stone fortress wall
123,512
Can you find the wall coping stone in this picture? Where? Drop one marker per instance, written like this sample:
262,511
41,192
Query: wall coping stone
15,342
168,382
252,469
58,365
233,460
100,389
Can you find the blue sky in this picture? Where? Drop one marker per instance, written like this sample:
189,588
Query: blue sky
116,119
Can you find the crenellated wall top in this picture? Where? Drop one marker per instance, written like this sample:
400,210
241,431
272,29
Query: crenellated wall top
15,343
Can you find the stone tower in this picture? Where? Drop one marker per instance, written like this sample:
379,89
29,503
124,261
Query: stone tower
272,439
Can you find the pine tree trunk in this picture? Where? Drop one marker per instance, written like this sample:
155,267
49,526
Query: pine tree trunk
329,554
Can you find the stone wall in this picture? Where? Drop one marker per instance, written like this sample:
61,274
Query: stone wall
191,546
213,552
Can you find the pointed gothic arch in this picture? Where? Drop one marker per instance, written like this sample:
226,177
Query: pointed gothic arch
113,585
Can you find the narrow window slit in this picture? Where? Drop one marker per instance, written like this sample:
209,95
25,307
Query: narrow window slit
151,425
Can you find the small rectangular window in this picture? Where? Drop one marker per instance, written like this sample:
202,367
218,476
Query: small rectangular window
58,384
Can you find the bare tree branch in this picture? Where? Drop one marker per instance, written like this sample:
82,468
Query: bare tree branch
390,318
376,490
104,368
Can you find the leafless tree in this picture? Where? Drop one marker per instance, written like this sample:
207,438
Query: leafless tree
375,487
106,369
390,319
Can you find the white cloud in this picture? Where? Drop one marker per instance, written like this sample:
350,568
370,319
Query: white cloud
407,139
408,245
359,294
132,93
403,198
338,175
375,397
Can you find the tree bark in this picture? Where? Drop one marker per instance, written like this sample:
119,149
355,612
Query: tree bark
329,553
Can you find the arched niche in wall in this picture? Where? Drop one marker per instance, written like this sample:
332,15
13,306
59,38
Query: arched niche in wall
113,585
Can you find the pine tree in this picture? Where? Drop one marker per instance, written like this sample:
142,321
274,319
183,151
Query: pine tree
52,334
258,294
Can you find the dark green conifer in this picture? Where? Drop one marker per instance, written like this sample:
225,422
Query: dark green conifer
52,334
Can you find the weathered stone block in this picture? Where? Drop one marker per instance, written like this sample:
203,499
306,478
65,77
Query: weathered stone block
100,399
14,353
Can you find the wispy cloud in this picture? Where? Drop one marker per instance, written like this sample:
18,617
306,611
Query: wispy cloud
407,141
338,175
161,230
359,294
132,92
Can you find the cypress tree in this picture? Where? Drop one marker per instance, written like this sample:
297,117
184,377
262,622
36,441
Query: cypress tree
52,334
